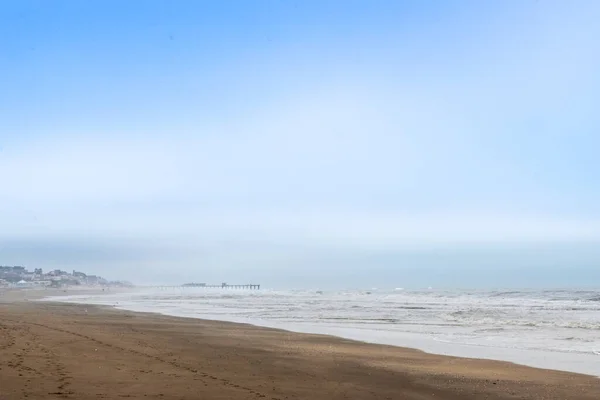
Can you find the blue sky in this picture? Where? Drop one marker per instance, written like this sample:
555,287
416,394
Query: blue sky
259,139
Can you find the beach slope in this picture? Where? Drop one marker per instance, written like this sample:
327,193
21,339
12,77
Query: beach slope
50,351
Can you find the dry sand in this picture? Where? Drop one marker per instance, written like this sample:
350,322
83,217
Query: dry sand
50,351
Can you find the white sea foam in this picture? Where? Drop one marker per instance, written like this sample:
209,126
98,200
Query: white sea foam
555,329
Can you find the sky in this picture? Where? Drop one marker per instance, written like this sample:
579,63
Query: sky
303,143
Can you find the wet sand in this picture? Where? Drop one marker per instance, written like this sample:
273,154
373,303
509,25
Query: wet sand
50,350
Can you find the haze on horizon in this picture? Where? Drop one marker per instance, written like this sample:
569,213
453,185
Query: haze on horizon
303,144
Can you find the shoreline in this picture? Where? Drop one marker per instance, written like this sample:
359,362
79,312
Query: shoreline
566,362
315,332
96,351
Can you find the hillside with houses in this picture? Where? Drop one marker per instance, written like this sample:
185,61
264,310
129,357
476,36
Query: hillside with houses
18,276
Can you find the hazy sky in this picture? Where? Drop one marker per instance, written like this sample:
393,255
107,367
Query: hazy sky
298,142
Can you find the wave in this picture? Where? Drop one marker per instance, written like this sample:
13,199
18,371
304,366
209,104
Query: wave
469,320
507,293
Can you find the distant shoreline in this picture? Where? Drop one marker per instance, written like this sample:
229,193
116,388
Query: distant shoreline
9,295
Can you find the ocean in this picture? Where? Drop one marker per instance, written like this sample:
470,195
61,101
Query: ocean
554,329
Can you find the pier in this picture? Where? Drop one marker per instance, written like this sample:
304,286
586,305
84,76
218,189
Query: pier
206,286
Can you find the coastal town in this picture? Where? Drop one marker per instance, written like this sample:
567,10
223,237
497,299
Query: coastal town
21,277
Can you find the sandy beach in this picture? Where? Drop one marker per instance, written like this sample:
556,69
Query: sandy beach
51,350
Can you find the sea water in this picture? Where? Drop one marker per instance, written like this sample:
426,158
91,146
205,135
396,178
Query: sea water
554,329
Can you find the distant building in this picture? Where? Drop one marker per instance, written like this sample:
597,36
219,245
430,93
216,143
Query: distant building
16,275
78,274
